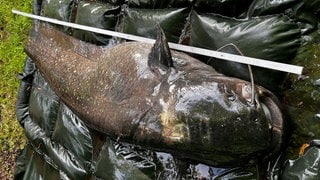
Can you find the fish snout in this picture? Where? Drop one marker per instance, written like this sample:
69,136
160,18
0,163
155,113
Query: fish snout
267,103
273,111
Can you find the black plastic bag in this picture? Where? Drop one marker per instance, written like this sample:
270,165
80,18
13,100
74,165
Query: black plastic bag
142,22
58,9
268,7
274,38
98,15
159,4
230,8
305,167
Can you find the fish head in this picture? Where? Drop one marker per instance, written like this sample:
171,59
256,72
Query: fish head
225,115
231,119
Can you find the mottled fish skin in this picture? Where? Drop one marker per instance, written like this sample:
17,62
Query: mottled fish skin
188,109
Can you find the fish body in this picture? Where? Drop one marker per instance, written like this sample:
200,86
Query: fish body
158,98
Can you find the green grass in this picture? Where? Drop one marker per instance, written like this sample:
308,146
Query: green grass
13,32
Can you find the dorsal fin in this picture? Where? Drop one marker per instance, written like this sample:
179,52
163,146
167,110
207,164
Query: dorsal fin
160,55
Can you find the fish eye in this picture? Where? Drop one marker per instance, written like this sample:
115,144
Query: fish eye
244,91
229,94
232,97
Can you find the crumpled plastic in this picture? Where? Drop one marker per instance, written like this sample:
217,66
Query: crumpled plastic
99,15
252,37
142,22
57,9
229,8
159,4
267,7
305,167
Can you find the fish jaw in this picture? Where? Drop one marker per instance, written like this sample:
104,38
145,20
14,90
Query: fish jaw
218,116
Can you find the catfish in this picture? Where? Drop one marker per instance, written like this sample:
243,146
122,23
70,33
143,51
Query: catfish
160,99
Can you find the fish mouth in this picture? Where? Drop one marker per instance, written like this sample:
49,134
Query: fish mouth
264,102
271,107
260,98
263,99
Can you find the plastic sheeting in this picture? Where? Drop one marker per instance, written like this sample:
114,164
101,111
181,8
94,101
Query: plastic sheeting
230,8
305,167
37,101
57,9
267,7
159,4
142,22
95,14
61,146
60,10
253,37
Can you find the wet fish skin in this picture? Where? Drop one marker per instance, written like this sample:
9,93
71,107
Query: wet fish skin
186,108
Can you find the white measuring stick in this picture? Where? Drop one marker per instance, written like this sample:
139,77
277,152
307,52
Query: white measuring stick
195,50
